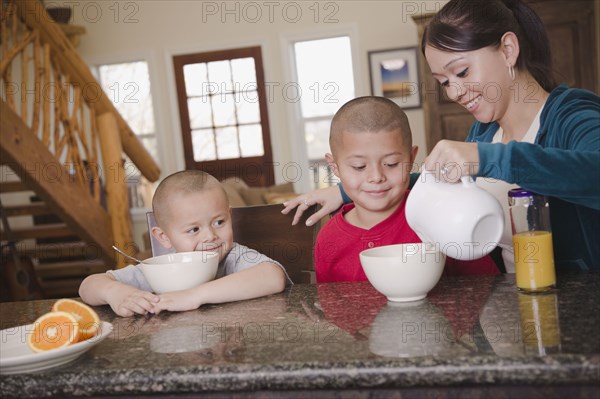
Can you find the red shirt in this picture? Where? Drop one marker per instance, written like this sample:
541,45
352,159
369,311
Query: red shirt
339,244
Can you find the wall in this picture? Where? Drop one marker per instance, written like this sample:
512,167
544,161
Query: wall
157,30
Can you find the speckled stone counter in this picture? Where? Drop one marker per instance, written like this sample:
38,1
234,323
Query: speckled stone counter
471,333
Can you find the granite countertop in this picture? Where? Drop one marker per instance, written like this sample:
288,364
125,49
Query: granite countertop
470,331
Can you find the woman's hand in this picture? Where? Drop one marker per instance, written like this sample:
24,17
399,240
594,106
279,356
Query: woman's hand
329,198
450,160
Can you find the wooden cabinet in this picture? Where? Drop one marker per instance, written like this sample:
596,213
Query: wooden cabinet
572,32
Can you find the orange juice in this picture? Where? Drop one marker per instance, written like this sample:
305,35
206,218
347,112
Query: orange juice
534,260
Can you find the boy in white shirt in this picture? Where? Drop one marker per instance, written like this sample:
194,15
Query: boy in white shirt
193,214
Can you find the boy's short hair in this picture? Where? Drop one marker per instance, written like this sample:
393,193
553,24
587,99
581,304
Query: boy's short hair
369,114
184,182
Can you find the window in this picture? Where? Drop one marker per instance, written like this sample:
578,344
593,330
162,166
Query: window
128,87
223,114
325,75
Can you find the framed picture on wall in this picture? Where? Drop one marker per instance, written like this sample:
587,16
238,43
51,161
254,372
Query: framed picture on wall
395,75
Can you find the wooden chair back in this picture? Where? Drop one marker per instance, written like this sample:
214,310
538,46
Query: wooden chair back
265,229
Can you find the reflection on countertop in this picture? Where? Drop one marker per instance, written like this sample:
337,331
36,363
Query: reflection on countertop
469,331
413,329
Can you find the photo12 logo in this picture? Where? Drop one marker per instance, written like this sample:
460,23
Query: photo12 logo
90,12
270,11
223,92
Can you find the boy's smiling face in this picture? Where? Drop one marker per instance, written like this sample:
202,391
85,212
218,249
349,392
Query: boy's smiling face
199,221
374,168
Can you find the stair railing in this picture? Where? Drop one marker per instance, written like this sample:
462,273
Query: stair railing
55,117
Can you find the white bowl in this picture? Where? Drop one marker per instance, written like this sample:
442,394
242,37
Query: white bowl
180,271
403,272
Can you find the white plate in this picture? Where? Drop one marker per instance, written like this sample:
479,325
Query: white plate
16,356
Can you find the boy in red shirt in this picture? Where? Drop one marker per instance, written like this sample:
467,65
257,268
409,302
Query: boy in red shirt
372,154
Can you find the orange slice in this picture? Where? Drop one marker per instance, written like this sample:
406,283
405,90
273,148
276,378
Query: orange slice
88,319
53,330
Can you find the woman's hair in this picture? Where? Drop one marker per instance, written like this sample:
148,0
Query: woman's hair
467,25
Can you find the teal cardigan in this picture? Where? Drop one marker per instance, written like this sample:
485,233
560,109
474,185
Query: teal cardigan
564,164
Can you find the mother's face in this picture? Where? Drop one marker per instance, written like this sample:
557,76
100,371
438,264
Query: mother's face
478,80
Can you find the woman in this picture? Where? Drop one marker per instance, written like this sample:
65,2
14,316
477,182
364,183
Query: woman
494,59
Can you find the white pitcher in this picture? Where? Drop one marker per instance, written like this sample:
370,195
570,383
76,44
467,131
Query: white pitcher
465,221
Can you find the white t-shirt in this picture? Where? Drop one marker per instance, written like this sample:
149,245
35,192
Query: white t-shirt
500,189
239,258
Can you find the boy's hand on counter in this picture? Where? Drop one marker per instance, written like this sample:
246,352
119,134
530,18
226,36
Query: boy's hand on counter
178,301
127,301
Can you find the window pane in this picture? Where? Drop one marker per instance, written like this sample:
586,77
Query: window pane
251,141
195,79
203,142
128,87
224,110
227,143
317,139
248,110
325,75
244,73
219,76
200,112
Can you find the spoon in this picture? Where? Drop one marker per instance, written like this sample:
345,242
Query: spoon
127,256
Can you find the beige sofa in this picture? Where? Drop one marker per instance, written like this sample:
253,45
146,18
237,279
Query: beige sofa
240,194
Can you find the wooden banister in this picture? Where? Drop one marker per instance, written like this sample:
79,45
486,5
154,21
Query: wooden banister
64,195
35,16
116,193
54,114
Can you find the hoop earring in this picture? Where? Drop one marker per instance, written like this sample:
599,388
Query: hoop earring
511,72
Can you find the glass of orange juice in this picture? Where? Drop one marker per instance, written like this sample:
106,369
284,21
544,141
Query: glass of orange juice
532,240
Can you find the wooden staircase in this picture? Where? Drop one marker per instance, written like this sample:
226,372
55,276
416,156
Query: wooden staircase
54,257
61,155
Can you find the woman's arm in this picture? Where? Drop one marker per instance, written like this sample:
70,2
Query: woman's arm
564,163
329,198
572,175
